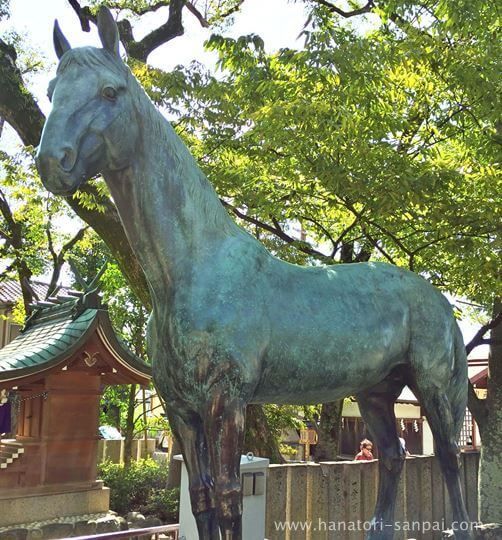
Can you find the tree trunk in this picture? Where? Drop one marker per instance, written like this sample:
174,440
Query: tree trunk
328,432
129,429
174,474
258,437
490,469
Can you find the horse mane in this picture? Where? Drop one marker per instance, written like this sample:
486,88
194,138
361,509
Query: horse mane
200,194
94,58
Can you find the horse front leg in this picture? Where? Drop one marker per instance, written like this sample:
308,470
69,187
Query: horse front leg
224,425
188,428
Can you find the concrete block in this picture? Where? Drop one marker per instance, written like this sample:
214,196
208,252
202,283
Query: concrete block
277,501
298,492
107,524
14,534
85,527
57,530
413,489
471,466
438,495
29,508
319,511
426,483
353,498
369,487
336,500
400,512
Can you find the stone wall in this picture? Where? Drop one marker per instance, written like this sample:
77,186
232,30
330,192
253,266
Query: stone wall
320,500
113,450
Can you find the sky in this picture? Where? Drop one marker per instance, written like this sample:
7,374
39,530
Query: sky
278,22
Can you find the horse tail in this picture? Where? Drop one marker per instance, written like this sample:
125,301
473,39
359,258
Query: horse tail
458,386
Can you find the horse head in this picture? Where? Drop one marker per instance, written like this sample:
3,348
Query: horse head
92,127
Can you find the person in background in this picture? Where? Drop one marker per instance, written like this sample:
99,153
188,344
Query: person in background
5,414
403,446
365,451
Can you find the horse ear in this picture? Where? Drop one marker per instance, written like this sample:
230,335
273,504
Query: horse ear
108,31
61,44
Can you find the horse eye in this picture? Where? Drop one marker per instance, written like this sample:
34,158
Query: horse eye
110,93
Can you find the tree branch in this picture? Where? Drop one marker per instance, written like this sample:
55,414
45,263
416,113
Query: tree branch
84,15
58,259
172,28
197,14
478,338
232,10
325,231
17,243
277,231
344,233
139,50
347,14
142,10
17,106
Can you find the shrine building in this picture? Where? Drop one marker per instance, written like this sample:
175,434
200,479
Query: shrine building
54,373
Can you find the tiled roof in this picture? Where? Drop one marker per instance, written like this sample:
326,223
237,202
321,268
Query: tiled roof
56,330
10,290
43,344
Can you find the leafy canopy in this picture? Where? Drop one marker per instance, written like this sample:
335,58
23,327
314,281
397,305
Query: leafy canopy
385,141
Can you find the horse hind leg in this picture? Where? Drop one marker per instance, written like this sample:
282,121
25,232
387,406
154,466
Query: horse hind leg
443,417
377,409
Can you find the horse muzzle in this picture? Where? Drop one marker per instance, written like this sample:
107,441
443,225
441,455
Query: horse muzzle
57,171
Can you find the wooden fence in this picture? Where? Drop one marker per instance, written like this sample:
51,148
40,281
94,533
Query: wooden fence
310,501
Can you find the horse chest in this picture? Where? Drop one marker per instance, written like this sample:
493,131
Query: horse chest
194,357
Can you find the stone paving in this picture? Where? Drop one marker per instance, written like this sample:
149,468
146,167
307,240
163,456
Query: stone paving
71,526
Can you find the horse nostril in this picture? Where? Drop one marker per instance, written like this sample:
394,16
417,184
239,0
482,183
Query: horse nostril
67,160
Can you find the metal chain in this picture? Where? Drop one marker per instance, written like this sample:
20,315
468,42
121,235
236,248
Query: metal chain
42,394
17,400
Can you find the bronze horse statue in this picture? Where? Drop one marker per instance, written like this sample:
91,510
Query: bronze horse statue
233,325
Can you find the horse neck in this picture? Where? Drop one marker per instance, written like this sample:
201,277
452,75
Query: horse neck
172,215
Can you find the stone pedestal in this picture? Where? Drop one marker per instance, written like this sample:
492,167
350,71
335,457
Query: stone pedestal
254,491
25,506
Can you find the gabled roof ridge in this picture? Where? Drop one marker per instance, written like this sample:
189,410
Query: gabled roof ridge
10,289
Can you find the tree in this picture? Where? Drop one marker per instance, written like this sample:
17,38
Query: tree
30,244
487,413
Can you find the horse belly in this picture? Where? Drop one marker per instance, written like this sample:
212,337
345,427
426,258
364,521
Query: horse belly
318,363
